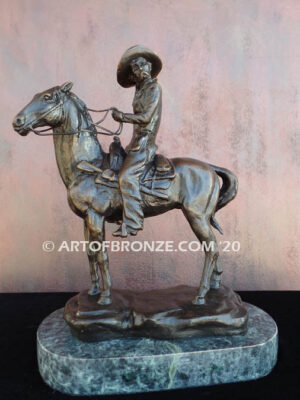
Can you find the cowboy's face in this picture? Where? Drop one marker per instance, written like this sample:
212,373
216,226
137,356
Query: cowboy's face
141,69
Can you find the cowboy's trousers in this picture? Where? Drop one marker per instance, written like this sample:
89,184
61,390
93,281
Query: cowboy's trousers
129,181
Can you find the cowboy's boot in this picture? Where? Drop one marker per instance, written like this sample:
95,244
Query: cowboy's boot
124,231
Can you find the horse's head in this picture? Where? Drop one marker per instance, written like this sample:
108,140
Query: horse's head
45,109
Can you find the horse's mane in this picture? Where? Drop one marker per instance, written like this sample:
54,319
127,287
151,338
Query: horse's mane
83,109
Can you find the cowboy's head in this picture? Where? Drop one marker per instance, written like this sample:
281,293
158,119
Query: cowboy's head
137,64
140,69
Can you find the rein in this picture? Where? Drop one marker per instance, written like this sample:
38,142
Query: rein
95,125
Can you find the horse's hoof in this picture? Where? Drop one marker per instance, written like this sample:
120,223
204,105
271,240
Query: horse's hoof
95,289
104,300
198,301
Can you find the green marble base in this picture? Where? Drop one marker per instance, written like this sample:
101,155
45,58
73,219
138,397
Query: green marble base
131,365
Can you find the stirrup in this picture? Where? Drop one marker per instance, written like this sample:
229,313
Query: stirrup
110,175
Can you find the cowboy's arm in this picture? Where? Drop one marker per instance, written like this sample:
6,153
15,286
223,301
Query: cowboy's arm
145,117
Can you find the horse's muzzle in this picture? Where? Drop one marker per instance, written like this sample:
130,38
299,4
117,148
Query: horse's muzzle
19,125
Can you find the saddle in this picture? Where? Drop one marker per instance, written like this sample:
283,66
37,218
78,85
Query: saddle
155,180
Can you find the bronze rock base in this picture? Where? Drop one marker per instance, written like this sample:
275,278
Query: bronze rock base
161,314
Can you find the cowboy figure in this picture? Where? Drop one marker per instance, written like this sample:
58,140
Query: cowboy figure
138,67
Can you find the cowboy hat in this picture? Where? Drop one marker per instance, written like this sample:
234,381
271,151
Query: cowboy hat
124,71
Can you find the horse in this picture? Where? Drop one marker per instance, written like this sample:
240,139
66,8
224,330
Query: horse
195,188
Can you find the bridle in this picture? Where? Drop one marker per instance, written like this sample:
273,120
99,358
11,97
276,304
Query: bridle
79,130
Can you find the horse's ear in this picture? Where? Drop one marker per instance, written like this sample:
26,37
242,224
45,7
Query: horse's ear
66,87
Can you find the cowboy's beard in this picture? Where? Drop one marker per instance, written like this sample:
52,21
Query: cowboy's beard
140,76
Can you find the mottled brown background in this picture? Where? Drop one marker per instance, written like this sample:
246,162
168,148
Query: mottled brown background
231,81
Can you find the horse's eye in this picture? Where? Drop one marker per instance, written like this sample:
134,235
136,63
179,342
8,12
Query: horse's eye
47,97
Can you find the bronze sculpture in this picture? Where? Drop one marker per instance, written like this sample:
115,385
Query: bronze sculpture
150,184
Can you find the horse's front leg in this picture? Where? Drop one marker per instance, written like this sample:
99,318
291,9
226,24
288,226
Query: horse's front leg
105,297
93,263
95,225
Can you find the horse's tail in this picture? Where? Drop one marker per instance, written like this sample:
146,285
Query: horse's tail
227,193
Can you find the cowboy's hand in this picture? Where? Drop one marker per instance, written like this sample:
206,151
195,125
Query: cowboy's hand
117,115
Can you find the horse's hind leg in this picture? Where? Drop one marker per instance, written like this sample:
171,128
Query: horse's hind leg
216,276
202,229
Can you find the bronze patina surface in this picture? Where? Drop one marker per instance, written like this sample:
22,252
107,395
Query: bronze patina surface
126,186
163,314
